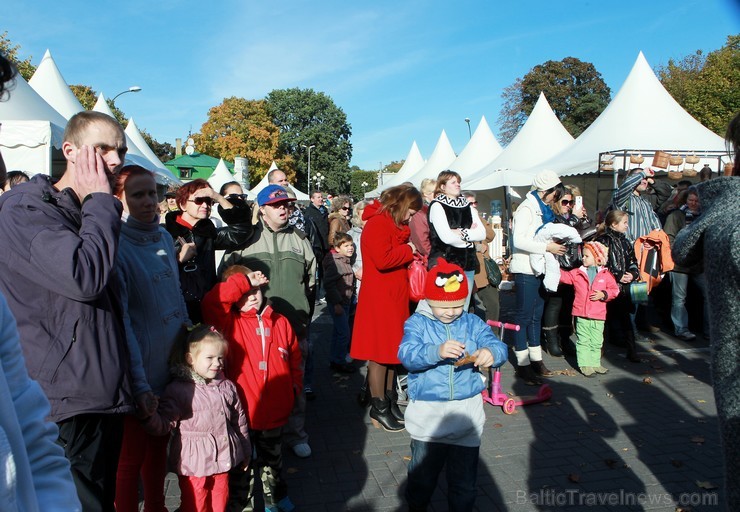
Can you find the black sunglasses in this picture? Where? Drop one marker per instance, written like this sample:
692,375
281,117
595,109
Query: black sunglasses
201,200
565,202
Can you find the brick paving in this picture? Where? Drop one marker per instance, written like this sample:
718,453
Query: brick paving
641,437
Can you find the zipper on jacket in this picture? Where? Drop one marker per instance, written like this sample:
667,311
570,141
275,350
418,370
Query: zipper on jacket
263,361
451,370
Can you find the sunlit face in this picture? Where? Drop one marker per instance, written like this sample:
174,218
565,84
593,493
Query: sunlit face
172,203
139,197
275,215
317,199
346,249
252,300
108,142
642,187
692,202
196,208
446,315
565,205
588,259
279,178
452,187
622,225
345,210
207,358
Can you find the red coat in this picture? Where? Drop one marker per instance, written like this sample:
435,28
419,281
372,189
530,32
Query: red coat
266,376
583,306
383,304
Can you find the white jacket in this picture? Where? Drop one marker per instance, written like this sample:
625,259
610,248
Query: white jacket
547,263
527,218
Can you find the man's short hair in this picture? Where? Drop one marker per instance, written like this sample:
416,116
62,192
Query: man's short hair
341,238
79,122
271,174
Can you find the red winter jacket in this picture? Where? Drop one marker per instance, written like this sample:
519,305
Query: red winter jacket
264,359
603,282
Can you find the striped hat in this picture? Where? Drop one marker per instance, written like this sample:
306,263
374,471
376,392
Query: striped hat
599,251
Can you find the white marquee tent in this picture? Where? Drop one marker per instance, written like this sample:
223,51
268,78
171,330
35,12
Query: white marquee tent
220,176
133,133
51,86
542,136
252,193
480,150
413,162
642,116
440,159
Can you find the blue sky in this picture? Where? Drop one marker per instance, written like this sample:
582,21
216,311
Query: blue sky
402,71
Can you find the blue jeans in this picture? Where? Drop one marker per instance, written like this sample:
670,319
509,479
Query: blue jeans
679,315
427,461
340,336
530,303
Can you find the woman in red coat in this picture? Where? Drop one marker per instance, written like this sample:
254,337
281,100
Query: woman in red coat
383,304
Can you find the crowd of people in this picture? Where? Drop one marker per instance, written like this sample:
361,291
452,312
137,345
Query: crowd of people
140,336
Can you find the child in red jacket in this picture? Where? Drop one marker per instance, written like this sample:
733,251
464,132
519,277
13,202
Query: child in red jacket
264,361
594,286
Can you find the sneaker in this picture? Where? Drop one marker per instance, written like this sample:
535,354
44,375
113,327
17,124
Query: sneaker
284,505
686,336
302,450
588,371
601,370
342,367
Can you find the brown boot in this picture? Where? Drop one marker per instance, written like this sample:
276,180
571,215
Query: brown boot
540,369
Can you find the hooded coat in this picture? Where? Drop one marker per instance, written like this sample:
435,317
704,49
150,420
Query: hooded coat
383,304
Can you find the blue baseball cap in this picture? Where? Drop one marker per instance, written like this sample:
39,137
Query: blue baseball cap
273,194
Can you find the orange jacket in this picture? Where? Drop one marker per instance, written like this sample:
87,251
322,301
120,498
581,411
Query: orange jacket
653,266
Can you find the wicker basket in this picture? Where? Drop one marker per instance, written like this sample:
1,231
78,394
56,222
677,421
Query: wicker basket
692,159
661,159
606,166
689,172
675,159
637,159
675,175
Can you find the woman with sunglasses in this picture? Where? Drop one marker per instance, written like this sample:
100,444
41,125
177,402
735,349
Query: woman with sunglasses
341,212
556,319
197,238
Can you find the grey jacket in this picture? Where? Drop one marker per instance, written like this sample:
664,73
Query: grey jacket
715,238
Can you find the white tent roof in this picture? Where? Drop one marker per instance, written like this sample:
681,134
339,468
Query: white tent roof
441,158
542,136
221,175
480,150
134,155
414,161
263,183
25,104
135,135
642,115
273,166
49,83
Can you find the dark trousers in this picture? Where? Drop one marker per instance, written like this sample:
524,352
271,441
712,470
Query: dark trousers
427,461
92,443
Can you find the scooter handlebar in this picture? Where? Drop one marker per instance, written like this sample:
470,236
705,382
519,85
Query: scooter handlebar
508,326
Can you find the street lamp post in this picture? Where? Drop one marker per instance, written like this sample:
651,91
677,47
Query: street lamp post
319,178
309,164
470,134
364,184
133,88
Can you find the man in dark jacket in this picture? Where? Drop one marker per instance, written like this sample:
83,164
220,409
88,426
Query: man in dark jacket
58,257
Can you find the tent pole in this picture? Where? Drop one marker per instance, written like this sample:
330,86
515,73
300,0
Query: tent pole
509,216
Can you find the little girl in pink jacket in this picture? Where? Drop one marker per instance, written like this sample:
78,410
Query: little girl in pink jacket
594,286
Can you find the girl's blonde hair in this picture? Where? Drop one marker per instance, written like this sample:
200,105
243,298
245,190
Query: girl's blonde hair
190,341
357,212
573,190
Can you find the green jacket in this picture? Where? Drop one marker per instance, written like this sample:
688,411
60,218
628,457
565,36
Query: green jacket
287,259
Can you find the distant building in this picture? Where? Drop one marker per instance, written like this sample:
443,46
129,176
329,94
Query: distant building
197,165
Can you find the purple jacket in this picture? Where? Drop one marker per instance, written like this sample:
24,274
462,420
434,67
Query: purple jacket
58,261
211,431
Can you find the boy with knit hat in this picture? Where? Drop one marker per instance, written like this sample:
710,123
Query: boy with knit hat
443,351
594,286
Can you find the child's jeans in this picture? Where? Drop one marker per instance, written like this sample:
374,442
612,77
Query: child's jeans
427,461
340,336
204,493
590,339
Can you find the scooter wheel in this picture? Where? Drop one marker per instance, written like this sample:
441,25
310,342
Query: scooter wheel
509,406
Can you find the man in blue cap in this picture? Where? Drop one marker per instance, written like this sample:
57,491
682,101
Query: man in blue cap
284,254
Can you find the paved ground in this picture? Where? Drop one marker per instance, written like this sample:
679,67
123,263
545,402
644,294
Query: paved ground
642,437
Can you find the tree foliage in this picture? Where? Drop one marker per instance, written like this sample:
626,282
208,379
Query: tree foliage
707,86
11,52
574,88
240,127
306,117
358,177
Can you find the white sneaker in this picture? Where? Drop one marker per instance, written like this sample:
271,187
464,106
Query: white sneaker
302,450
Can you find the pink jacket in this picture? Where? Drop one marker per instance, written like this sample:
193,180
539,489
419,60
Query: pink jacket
211,432
603,282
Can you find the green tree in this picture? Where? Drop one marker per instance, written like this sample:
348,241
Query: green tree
575,90
359,177
25,68
306,117
240,127
706,86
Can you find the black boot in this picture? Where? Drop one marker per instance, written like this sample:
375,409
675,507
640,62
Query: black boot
540,369
526,373
392,396
363,397
629,338
380,413
552,341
